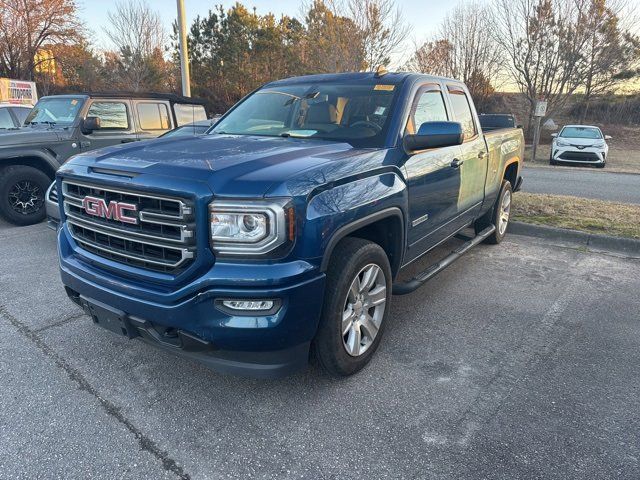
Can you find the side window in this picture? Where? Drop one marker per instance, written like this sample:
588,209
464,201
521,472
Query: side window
112,115
153,116
462,112
6,121
21,113
428,107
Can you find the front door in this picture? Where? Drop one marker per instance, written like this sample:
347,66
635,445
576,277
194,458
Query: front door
434,185
116,124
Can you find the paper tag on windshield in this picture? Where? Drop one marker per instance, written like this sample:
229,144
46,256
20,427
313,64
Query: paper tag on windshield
386,88
379,111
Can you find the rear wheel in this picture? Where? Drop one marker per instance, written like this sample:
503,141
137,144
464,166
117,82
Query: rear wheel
499,215
356,304
22,191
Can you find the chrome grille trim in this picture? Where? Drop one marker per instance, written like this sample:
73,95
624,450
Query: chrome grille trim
163,239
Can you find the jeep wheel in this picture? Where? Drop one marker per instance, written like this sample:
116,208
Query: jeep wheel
22,191
356,304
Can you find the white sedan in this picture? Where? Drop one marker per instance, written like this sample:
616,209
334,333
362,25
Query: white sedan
579,144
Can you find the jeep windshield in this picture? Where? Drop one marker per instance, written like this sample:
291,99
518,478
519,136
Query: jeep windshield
55,111
356,114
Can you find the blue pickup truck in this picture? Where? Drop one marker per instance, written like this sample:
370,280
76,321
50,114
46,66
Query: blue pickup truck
280,235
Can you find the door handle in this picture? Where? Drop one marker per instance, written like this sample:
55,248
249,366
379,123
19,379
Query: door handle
481,154
455,163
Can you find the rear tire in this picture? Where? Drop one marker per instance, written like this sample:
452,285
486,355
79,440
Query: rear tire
356,305
499,215
22,191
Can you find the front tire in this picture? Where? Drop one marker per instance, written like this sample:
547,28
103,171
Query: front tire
356,305
499,215
22,191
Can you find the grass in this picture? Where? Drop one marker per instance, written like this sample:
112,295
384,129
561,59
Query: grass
587,215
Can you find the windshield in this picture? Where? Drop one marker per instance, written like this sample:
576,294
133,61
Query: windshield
581,132
357,114
56,111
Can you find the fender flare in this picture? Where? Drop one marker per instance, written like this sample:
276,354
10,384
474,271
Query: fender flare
345,230
15,154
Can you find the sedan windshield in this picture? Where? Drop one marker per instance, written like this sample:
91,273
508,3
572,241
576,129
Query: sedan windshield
581,132
356,114
54,111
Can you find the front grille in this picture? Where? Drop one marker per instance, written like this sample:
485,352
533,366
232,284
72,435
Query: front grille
580,156
163,239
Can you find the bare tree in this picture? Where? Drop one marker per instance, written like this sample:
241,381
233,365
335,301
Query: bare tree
139,35
463,48
26,26
382,27
542,42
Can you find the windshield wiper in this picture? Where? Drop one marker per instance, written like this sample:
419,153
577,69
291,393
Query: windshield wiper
44,122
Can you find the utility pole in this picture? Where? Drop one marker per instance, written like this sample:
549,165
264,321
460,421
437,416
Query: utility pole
184,54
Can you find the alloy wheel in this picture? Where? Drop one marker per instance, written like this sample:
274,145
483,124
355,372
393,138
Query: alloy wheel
364,309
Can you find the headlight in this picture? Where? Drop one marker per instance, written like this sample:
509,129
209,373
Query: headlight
599,145
561,143
250,227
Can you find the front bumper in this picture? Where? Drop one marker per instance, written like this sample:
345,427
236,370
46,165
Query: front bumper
186,321
587,155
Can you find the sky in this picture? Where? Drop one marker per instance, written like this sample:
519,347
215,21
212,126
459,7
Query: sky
422,16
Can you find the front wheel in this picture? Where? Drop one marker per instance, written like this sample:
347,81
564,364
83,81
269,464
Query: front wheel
22,191
357,299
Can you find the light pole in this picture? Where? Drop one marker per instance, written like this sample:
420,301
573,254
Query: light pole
184,54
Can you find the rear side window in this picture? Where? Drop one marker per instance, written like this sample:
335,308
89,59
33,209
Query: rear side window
428,107
6,121
462,112
189,113
153,116
112,115
21,113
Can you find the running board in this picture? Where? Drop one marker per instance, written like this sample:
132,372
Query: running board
420,279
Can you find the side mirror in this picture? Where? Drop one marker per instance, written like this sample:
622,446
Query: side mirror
90,124
608,137
434,135
519,126
554,135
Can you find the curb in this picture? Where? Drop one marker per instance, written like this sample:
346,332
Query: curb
592,241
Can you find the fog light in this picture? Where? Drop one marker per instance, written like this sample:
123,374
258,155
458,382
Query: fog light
256,306
253,305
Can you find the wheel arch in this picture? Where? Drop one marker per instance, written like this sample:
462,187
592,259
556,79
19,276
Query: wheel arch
386,228
34,159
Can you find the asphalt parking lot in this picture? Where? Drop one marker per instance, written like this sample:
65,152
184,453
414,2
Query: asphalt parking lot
519,361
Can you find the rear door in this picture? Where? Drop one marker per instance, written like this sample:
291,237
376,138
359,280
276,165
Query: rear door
154,118
473,155
116,124
433,184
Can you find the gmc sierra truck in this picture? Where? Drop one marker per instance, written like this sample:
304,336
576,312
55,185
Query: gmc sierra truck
281,234
60,126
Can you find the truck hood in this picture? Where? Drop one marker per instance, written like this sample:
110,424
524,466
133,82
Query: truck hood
232,165
25,136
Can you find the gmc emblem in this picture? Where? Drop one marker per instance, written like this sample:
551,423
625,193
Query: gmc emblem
114,210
